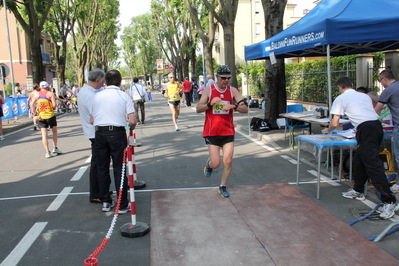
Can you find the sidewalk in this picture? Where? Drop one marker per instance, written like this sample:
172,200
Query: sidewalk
13,124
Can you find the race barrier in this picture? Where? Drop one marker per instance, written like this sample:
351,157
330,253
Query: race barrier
13,107
133,229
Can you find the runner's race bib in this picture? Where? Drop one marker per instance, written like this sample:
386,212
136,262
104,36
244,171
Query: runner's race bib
218,108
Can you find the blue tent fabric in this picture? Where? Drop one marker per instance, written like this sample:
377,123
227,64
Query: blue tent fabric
348,26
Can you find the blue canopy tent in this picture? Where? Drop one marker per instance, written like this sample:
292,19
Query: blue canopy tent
335,28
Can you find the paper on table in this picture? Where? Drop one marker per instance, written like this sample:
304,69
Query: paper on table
349,134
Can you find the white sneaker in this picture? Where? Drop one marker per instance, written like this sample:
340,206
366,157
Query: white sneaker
57,151
395,188
388,210
1,137
125,210
177,128
48,155
352,194
108,206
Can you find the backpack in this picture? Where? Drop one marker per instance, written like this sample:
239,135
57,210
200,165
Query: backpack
254,125
263,126
258,124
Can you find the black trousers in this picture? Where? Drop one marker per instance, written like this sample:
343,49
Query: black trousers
93,180
111,144
367,163
188,98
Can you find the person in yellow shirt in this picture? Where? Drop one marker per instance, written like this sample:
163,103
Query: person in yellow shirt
173,91
149,92
45,116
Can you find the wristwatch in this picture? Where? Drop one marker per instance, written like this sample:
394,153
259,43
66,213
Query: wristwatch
209,105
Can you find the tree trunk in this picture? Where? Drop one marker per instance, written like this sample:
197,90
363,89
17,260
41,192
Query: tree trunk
37,61
275,93
229,52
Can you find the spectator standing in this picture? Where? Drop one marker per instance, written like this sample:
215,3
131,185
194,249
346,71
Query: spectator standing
86,97
75,90
110,109
209,80
46,103
138,92
201,90
19,93
390,97
366,163
194,89
218,102
149,89
187,91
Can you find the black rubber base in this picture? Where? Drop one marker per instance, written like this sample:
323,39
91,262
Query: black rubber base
139,184
140,229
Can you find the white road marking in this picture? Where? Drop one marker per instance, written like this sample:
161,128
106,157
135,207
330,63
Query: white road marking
88,160
288,158
79,173
56,204
271,149
26,242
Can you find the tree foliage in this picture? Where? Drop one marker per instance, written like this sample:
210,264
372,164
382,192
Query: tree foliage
140,45
226,13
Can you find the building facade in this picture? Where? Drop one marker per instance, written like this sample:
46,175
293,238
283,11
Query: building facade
21,54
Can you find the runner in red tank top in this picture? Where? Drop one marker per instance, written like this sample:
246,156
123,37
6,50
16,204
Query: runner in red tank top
218,102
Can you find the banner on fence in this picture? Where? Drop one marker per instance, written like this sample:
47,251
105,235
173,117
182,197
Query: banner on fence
13,107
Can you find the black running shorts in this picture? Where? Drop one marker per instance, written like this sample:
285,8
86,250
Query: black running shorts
218,140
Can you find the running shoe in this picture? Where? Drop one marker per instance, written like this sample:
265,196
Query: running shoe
388,210
124,210
223,192
48,155
352,194
395,188
208,169
108,206
1,137
177,128
34,126
57,151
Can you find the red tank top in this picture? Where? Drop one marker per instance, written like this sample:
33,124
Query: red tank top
218,122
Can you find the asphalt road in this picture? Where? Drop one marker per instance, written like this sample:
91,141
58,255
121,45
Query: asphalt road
46,217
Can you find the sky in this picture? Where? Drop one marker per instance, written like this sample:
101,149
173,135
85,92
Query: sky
132,8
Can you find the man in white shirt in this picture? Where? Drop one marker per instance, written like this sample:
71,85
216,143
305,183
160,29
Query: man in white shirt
85,101
366,163
138,94
110,109
209,80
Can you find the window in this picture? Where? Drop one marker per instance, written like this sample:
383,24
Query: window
257,28
257,7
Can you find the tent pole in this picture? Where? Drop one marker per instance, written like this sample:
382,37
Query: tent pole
329,80
249,121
